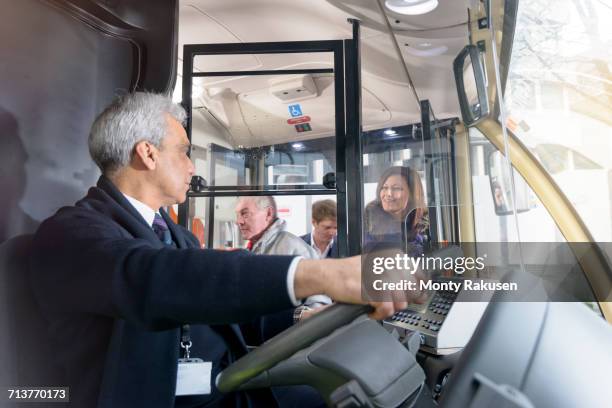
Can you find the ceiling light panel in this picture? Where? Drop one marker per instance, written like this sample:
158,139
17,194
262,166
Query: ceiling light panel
411,7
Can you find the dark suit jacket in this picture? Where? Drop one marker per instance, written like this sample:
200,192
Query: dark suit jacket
333,251
115,297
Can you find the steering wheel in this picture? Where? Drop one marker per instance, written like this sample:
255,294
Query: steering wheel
287,343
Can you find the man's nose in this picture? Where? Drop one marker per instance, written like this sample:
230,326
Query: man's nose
191,168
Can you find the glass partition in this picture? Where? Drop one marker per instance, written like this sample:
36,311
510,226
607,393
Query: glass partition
394,187
421,159
265,130
264,121
218,216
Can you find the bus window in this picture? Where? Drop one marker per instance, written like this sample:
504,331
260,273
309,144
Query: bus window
534,221
530,238
559,102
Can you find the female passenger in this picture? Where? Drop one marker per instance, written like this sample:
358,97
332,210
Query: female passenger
398,214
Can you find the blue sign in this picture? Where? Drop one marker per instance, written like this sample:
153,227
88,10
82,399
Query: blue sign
295,110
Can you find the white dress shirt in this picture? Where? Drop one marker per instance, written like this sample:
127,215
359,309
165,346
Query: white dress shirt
322,255
147,212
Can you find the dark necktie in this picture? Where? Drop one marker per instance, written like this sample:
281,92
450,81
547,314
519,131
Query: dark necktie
161,230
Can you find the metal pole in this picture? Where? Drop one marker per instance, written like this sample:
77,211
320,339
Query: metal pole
354,162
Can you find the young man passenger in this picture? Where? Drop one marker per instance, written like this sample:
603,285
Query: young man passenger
324,229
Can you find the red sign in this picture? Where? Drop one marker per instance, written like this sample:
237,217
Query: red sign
301,119
303,127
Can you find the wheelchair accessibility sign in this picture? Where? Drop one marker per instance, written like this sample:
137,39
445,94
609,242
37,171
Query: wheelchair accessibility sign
295,110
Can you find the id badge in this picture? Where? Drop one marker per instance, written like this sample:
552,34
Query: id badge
193,376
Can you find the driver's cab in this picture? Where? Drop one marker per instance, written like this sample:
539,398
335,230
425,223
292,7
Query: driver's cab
469,139
396,115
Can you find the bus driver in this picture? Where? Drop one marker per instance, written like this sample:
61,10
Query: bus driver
118,281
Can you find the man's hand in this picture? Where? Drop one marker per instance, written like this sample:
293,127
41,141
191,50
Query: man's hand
339,279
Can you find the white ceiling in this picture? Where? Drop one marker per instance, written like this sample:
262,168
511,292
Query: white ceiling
253,116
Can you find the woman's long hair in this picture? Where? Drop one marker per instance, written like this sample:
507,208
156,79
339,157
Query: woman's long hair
415,208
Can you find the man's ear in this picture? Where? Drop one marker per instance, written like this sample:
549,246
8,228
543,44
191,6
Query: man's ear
269,214
145,154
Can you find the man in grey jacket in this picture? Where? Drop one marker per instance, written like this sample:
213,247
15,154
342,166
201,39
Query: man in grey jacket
257,218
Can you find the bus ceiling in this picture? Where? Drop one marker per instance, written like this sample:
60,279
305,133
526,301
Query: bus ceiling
404,58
